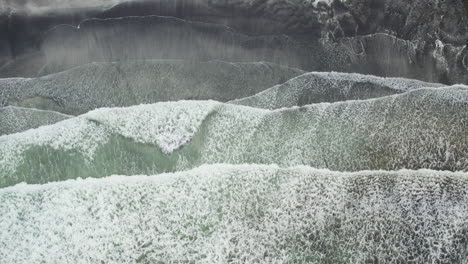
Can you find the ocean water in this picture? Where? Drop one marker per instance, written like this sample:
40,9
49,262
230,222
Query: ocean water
155,139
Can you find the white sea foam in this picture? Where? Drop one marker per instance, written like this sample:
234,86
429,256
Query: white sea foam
424,128
72,134
96,85
238,214
18,119
316,87
168,125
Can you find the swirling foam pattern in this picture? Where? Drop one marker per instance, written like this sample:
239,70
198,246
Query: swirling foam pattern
424,128
240,214
17,119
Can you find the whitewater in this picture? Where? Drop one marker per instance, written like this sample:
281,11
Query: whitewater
239,214
233,132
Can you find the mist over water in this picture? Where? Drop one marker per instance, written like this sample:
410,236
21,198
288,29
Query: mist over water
209,131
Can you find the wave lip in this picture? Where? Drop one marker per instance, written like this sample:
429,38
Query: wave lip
424,128
318,87
96,85
167,125
18,119
244,213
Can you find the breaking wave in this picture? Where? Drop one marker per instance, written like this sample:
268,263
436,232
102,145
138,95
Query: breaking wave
424,128
240,214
